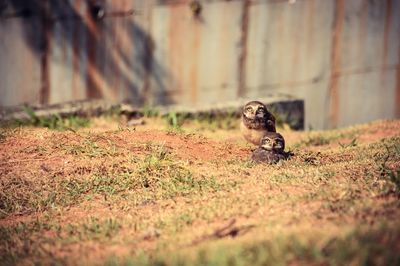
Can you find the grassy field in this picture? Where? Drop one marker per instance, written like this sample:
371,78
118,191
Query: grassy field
188,195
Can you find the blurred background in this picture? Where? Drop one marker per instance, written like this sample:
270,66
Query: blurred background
341,57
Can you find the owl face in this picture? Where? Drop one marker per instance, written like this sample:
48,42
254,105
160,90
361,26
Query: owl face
254,110
273,142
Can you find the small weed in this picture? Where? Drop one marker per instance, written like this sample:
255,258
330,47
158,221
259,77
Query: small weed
150,111
391,176
317,140
394,177
93,229
352,143
3,136
174,120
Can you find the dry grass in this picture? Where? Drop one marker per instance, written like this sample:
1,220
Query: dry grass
113,195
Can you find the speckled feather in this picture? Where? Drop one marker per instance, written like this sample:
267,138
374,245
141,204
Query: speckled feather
263,156
266,123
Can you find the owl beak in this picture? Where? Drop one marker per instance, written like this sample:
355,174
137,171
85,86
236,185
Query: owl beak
277,146
266,146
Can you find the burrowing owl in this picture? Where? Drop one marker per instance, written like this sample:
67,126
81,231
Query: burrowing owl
256,122
271,149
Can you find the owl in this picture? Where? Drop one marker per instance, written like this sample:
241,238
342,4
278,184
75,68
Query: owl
271,149
256,122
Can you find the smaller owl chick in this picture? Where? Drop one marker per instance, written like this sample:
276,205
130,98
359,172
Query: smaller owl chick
271,149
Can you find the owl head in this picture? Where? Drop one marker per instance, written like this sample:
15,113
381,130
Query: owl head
273,141
254,110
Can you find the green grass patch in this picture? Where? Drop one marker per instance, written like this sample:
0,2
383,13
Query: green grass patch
54,122
36,238
359,247
320,138
157,176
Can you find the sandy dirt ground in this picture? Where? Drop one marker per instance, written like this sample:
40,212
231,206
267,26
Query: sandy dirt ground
109,194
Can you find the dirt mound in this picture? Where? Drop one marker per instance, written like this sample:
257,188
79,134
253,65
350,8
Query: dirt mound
35,145
185,146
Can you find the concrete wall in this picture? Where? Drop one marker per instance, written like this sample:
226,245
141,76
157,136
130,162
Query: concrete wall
340,56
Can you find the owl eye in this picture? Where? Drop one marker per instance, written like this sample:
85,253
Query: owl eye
279,143
260,110
249,109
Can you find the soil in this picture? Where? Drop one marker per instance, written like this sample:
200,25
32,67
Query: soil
34,154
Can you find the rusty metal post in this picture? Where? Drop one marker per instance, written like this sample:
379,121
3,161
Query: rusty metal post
46,46
243,43
397,98
92,84
75,51
336,63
